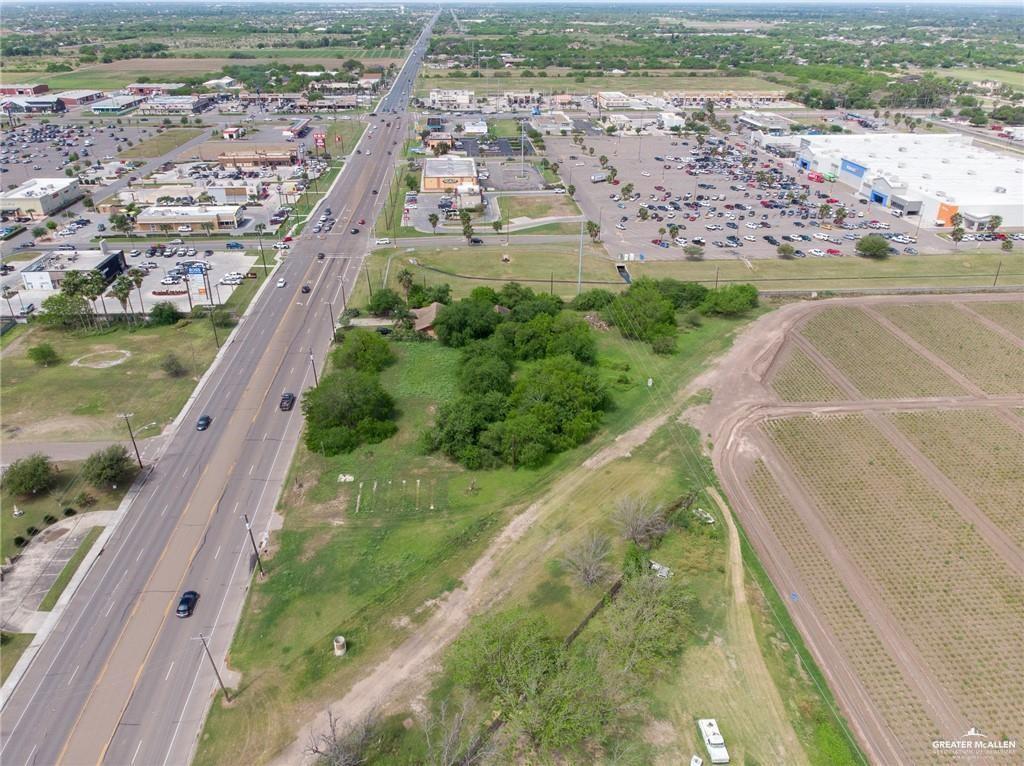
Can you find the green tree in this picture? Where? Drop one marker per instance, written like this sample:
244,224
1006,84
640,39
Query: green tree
465,321
957,235
44,355
994,222
385,302
405,280
643,313
121,289
571,190
110,465
347,409
694,252
872,246
29,475
785,251
38,231
433,220
731,300
593,230
1006,245
363,350
467,224
63,310
164,313
136,276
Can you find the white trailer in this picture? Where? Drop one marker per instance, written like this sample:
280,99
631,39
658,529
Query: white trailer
713,740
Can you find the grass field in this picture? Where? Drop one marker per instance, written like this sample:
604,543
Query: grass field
564,81
1014,79
504,128
12,646
73,403
514,206
160,144
1008,315
51,504
853,341
984,356
363,558
309,55
950,593
349,131
50,599
799,379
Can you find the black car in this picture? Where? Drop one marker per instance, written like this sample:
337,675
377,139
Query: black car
475,241
287,401
187,604
203,423
305,288
320,256
353,230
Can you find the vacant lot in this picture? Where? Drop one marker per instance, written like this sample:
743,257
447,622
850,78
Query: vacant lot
1008,315
1014,79
514,206
80,402
161,144
893,528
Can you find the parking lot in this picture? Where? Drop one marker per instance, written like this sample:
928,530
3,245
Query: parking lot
165,277
712,198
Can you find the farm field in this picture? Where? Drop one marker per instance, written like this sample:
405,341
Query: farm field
799,379
987,358
852,340
1007,315
894,526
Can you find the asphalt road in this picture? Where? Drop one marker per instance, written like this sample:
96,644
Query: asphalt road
120,679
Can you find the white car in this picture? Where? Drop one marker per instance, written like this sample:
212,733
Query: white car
382,241
645,174
750,238
281,282
620,227
282,246
818,252
169,281
752,226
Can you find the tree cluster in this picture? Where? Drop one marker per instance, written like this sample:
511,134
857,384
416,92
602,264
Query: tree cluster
500,416
350,407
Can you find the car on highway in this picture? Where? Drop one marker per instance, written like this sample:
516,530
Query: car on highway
287,401
203,423
281,282
362,221
187,603
353,230
305,289
234,246
320,256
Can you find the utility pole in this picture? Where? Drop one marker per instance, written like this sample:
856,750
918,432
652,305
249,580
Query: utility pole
223,688
579,273
259,561
334,324
312,363
213,307
344,303
131,435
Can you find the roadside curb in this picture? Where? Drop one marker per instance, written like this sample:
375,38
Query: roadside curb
22,666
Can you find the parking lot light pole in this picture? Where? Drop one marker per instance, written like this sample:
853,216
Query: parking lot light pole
131,435
334,325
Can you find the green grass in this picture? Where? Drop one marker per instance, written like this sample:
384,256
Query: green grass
389,224
349,131
1005,76
50,599
52,503
21,255
162,143
328,54
12,646
503,128
540,206
68,403
99,79
565,229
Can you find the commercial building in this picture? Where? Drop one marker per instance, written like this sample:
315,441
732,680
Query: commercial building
40,197
79,97
23,89
727,98
44,104
187,219
153,88
439,140
49,270
117,105
551,123
934,177
232,132
247,155
613,99
176,104
448,100
221,83
768,123
446,174
519,99
671,120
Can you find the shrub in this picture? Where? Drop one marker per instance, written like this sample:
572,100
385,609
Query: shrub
173,367
384,302
364,351
110,465
29,475
347,409
465,321
44,355
643,313
873,246
163,313
592,300
731,300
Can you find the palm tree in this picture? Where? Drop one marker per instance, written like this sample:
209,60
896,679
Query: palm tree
136,275
405,279
957,236
593,229
260,228
603,160
824,210
994,222
956,220
122,290
433,220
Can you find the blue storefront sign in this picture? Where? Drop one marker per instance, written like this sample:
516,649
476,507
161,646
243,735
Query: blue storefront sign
853,168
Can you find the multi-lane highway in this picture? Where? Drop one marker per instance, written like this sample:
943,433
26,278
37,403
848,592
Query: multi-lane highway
120,679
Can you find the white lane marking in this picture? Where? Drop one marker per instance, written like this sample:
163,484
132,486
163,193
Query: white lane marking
31,755
136,755
169,670
165,509
109,608
141,551
216,553
251,469
73,674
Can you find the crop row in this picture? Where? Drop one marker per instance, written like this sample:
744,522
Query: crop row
799,379
878,363
882,678
981,453
1010,314
954,598
986,357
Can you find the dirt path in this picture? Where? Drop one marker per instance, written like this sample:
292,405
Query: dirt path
752,671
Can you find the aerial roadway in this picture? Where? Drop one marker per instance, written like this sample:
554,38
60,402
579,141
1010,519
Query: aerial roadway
120,679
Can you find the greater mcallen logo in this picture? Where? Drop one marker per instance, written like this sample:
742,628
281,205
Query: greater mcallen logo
974,740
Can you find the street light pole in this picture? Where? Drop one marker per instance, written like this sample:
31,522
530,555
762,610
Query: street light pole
131,435
334,324
252,540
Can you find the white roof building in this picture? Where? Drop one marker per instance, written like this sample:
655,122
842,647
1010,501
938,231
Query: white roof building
222,83
451,100
934,176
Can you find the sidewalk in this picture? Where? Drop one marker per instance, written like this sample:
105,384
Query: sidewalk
15,450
